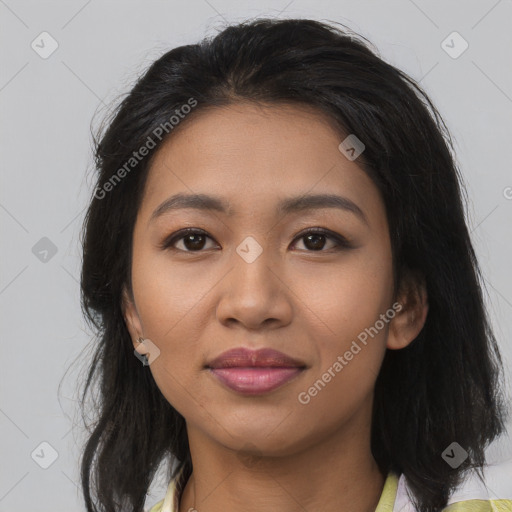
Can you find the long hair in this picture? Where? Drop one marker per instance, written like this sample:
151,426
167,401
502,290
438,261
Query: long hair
443,387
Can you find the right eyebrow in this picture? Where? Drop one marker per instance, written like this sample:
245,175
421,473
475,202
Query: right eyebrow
196,201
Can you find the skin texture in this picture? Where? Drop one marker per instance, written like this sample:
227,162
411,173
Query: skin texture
268,452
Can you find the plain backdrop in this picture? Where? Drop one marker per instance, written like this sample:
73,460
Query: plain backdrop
47,103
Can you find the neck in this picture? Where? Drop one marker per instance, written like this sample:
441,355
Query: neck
337,473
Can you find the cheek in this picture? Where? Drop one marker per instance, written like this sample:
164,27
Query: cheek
341,311
169,302
168,293
344,298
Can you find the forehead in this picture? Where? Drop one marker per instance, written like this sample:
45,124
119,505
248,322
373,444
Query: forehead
255,155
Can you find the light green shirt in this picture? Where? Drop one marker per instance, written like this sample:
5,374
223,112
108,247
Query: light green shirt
386,503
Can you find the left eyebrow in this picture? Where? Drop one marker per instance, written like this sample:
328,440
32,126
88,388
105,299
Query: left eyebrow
285,207
317,201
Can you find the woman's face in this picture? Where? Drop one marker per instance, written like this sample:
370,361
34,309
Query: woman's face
258,279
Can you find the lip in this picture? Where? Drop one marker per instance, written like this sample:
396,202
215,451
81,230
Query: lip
254,372
242,357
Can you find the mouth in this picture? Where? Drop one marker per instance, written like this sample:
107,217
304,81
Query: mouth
253,372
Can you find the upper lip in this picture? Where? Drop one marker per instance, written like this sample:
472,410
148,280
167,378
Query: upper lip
243,357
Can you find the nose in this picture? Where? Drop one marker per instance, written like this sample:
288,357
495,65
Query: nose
255,294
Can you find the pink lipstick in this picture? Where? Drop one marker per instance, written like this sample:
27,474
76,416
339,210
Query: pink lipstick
254,372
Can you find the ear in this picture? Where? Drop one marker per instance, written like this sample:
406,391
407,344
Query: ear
411,312
132,320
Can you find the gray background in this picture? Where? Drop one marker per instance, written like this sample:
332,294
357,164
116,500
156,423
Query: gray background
46,109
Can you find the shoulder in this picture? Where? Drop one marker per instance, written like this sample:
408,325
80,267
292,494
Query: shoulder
171,500
157,507
494,494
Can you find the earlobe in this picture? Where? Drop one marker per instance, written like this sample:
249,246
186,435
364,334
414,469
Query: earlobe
410,319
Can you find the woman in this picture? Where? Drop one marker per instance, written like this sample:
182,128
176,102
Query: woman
277,234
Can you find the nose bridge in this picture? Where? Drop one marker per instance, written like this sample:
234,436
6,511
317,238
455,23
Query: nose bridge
251,262
253,293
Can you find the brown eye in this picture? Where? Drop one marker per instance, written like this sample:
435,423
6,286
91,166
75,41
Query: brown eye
191,240
315,240
194,242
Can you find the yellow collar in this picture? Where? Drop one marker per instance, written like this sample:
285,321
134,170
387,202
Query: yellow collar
388,496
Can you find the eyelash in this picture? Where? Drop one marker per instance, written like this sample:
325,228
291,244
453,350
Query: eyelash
341,242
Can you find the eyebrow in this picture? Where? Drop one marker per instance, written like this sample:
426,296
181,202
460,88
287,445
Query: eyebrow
285,207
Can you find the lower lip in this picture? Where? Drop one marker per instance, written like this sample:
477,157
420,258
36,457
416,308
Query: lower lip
255,381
